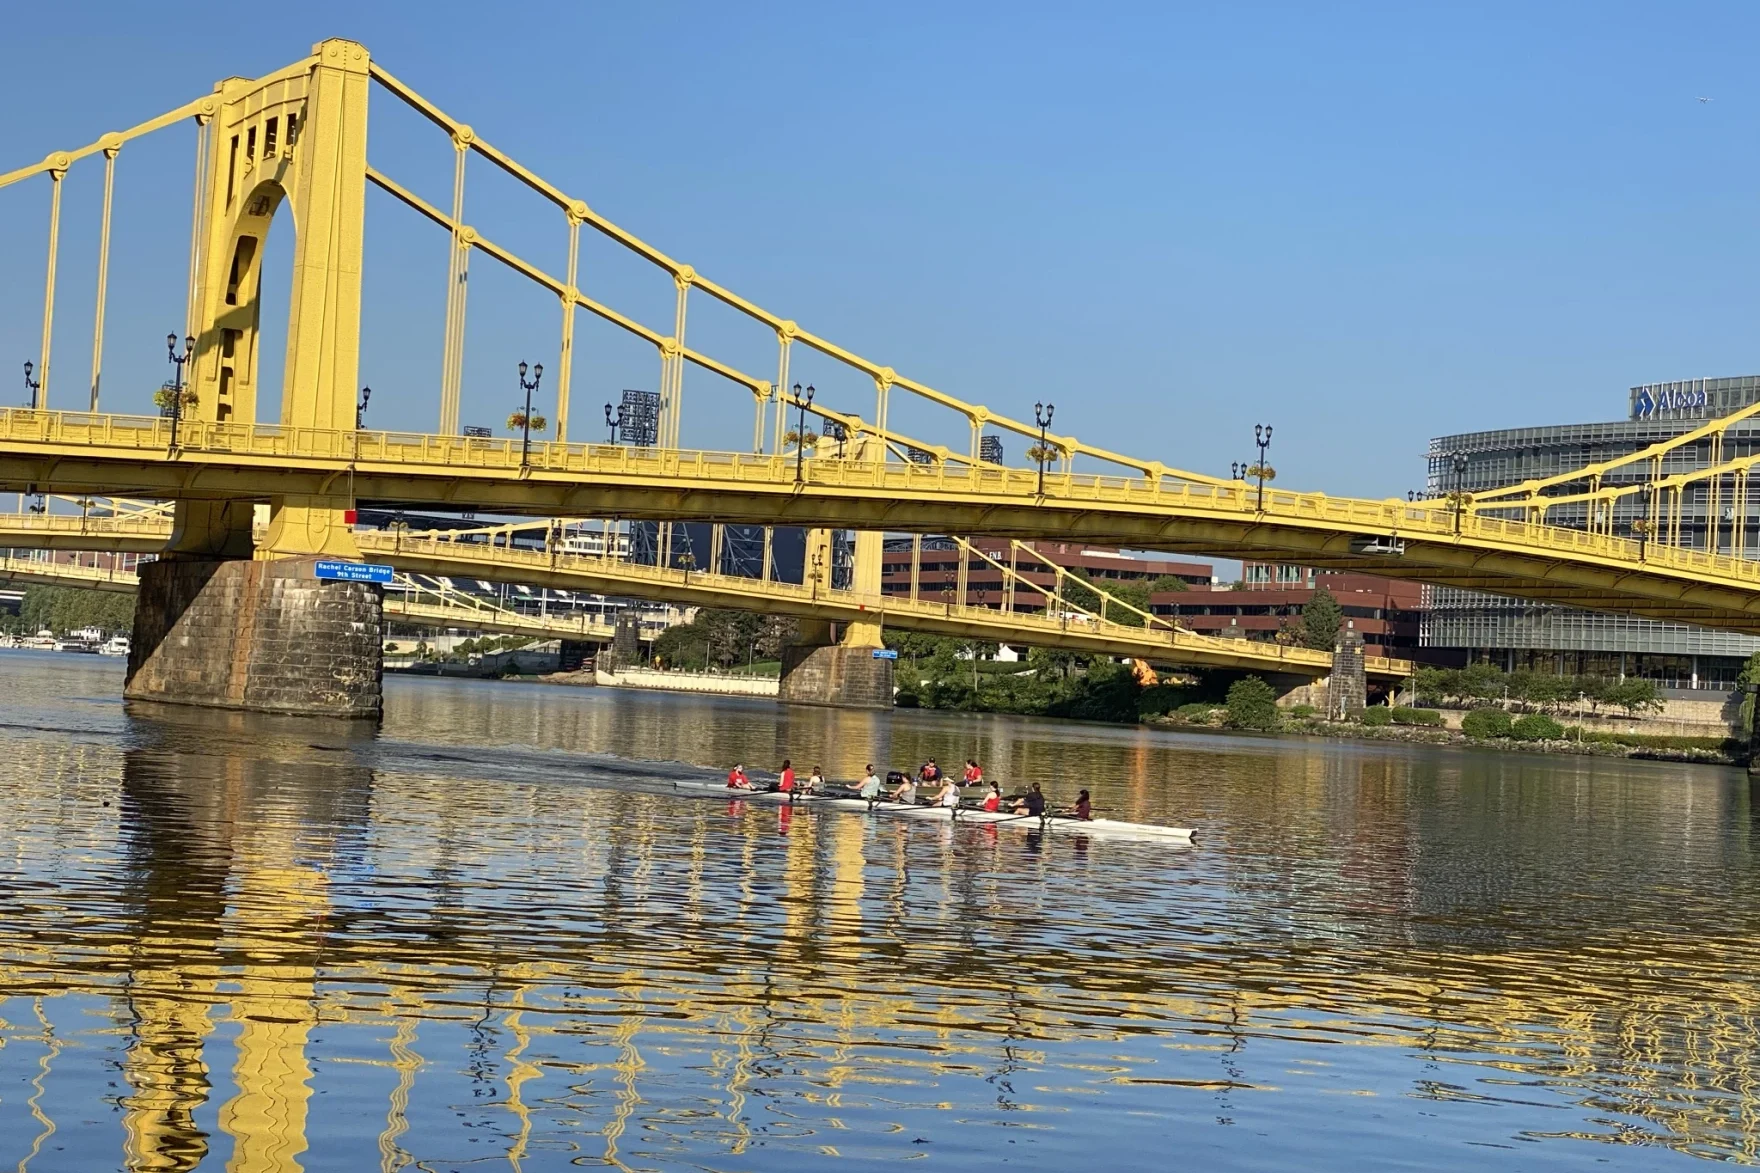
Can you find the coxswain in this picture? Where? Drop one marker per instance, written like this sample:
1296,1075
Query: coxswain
737,780
785,783
973,775
930,774
1083,809
1032,804
993,800
905,791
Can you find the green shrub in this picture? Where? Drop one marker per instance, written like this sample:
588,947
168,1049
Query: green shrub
1378,717
1196,714
1486,723
1536,727
1251,705
1301,711
1416,717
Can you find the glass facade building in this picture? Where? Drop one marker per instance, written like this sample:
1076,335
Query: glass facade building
1515,633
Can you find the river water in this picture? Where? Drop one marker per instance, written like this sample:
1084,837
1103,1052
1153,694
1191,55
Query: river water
484,937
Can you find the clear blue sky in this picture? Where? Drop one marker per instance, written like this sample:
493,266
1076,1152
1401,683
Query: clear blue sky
1365,223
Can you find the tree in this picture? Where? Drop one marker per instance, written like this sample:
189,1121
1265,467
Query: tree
1251,705
1321,619
1167,584
65,609
1051,663
1633,694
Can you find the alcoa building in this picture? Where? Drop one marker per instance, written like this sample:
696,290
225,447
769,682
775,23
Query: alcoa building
1515,634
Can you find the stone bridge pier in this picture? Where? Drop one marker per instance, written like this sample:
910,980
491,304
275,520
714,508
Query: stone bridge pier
844,673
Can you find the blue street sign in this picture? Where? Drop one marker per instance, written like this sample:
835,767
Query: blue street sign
354,572
885,654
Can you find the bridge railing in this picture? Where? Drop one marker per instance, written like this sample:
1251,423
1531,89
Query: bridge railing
451,455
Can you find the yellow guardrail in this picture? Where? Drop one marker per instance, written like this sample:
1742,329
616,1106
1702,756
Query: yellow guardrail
148,437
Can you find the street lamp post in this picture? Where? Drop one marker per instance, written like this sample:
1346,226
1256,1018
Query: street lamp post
525,421
360,411
177,361
1043,419
1262,437
31,386
1642,525
618,421
803,400
818,571
688,562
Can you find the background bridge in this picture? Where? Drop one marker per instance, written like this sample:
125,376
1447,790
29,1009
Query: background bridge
491,555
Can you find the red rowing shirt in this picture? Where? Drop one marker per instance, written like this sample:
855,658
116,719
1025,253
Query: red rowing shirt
992,801
973,775
787,783
736,779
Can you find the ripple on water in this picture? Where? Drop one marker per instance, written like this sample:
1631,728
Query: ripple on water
488,933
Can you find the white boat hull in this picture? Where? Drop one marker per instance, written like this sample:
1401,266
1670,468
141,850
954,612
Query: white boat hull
1106,828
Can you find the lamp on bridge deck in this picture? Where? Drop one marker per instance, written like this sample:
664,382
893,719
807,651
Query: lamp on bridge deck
177,392
31,386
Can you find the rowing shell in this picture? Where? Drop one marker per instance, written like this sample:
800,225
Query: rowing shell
1107,828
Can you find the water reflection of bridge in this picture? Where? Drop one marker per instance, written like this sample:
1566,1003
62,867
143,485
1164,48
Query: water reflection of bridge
270,892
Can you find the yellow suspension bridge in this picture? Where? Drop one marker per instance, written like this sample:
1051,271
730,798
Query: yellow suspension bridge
299,137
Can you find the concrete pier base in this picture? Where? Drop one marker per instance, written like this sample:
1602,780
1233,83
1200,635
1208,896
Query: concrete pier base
836,676
264,636
1347,688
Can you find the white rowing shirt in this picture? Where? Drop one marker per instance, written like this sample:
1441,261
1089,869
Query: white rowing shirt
951,798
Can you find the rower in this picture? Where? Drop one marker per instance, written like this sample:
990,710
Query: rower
785,783
993,800
870,787
1083,809
736,778
815,782
947,797
905,791
1033,804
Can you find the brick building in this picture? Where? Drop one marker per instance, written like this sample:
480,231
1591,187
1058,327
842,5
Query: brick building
1271,597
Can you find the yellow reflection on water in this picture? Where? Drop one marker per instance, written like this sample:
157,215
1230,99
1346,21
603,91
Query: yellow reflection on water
622,942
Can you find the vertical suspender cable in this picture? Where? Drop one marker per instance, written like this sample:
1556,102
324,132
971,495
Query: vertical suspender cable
783,344
457,274
42,394
565,375
674,431
103,275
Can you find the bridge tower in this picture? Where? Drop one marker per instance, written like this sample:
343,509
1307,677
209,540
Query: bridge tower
214,626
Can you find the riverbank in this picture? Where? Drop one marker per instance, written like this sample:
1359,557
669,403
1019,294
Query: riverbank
1699,750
